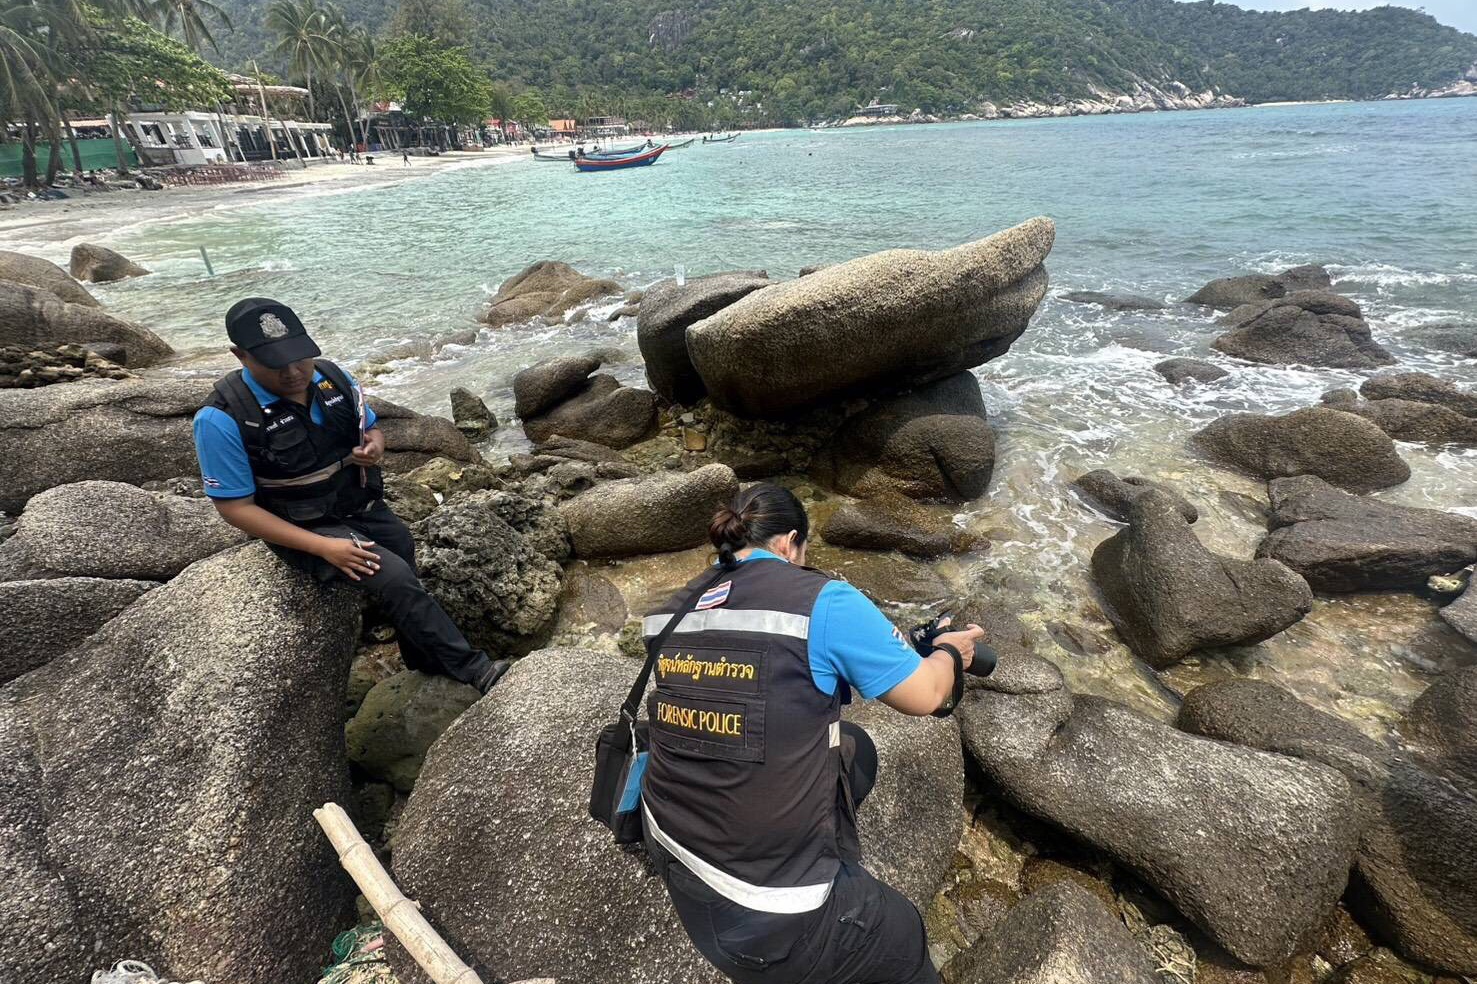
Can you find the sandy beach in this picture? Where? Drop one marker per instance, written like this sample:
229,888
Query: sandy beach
42,224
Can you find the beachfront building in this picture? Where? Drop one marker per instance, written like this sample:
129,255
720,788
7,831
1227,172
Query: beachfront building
597,127
192,138
877,109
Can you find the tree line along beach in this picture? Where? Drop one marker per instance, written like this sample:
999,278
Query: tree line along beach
1200,460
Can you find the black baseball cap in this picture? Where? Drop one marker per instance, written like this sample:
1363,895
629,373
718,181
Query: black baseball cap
270,331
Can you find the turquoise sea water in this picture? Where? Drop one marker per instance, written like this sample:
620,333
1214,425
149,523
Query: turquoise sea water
1385,194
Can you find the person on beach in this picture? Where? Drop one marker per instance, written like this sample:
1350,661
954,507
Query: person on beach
405,155
751,786
290,453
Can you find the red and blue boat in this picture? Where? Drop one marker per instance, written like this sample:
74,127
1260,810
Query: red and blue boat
607,163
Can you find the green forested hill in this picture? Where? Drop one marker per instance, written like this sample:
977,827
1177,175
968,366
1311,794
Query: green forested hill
818,59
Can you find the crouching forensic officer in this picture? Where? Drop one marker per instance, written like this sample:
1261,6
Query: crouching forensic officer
753,780
290,452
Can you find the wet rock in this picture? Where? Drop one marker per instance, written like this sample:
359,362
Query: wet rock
1343,542
45,618
884,578
412,439
1408,420
894,522
870,323
1113,496
1182,813
1169,596
547,289
1462,613
1058,934
573,449
667,309
471,415
1114,300
1459,339
1310,328
658,514
544,386
101,265
1342,940
1181,371
399,719
933,443
602,412
488,576
32,271
110,529
139,767
34,318
590,604
1440,720
1409,890
1340,448
1421,387
1232,292
506,788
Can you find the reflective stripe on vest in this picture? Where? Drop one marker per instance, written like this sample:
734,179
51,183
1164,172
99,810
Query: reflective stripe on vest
801,898
738,620
308,479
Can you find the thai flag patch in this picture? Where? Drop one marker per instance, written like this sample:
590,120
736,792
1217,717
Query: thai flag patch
713,597
210,482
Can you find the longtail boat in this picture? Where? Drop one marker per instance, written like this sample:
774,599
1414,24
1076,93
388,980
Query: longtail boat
678,146
588,163
728,139
540,155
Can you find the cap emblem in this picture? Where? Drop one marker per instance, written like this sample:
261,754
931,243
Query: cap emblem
272,326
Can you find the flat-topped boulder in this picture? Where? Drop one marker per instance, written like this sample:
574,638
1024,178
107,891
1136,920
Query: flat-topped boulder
1181,370
32,271
101,265
1421,387
1169,596
45,618
192,735
1343,542
1339,447
1308,328
1412,420
601,411
890,521
872,323
655,514
31,318
113,529
547,289
1113,496
543,386
934,443
667,310
1229,293
138,430
1114,300
1253,848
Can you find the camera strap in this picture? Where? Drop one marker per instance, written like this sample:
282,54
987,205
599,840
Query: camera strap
946,709
655,643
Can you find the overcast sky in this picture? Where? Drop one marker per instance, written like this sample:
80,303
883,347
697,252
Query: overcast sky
1458,13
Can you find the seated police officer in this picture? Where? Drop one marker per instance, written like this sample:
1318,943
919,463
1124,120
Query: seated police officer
753,780
289,452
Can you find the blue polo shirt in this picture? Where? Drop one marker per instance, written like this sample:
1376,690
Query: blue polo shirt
851,643
224,467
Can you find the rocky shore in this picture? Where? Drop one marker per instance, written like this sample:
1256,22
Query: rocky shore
176,701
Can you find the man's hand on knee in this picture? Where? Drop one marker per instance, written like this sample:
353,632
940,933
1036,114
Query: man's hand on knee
352,557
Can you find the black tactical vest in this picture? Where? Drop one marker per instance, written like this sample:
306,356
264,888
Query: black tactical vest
303,471
744,783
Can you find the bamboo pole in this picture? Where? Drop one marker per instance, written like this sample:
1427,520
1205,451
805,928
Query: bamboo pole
400,915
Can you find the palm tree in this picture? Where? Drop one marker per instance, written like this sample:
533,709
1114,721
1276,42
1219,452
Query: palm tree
305,38
188,16
362,67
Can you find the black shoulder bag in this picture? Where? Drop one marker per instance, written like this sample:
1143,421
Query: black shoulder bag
620,751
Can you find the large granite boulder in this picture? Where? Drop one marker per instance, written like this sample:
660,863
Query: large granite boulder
398,720
100,265
546,289
32,271
657,514
1416,886
1410,420
890,521
45,618
489,577
497,847
1253,848
1338,447
1440,721
112,529
470,414
1114,300
138,430
1169,596
1229,293
933,443
601,411
1308,328
543,386
1343,542
1059,934
1112,496
667,309
1421,387
1448,336
157,784
1181,370
34,318
872,323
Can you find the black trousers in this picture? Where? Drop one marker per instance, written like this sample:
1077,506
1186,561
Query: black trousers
429,639
865,933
